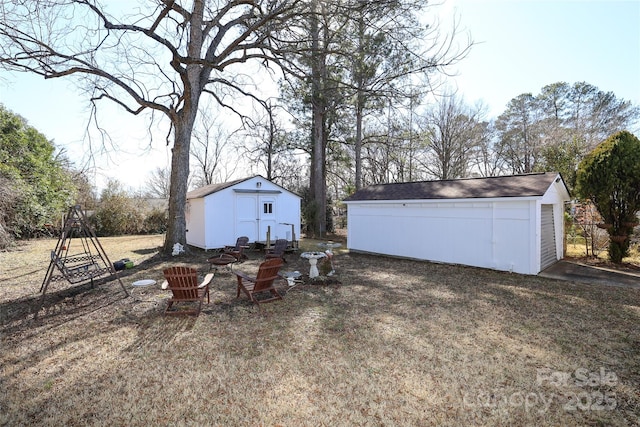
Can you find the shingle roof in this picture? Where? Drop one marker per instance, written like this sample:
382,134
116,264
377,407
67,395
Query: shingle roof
212,188
528,185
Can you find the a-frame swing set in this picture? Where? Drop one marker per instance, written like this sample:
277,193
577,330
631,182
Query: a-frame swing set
86,263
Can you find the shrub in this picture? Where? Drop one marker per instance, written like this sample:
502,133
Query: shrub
35,188
609,177
117,214
156,221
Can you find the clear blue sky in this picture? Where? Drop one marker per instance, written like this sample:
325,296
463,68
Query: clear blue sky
521,46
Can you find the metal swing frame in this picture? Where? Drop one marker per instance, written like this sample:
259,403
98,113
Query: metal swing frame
80,267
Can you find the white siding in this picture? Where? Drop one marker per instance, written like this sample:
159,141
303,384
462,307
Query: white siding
556,196
498,233
219,218
196,222
494,235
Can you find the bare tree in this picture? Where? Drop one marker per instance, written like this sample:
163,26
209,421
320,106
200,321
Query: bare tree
320,33
387,46
209,143
270,149
487,159
450,129
162,58
159,183
352,56
264,133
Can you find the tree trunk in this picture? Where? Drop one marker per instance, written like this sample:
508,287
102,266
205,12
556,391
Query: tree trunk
272,143
183,121
359,80
358,142
317,176
318,185
177,225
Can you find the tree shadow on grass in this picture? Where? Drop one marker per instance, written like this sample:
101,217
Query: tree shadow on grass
64,302
158,332
145,251
58,307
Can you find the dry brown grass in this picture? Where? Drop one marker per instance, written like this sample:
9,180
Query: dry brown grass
630,263
388,342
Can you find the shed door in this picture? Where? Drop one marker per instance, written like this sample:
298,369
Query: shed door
247,217
267,208
548,238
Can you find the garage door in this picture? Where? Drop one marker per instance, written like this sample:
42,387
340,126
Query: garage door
548,242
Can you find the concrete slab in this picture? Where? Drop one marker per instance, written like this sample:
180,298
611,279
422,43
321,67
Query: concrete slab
576,272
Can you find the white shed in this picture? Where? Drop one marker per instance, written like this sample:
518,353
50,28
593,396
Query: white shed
218,214
510,223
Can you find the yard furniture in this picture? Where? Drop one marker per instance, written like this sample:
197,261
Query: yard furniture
183,283
313,258
141,285
78,257
278,249
83,267
262,283
237,251
222,260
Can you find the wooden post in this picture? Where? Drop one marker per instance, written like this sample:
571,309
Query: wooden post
268,245
294,244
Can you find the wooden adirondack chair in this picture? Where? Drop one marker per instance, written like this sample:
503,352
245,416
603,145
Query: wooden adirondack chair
237,251
262,283
183,283
278,249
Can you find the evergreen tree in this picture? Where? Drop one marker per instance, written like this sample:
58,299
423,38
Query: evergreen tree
34,178
610,178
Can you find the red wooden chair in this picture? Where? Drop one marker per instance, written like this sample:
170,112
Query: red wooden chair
262,283
183,283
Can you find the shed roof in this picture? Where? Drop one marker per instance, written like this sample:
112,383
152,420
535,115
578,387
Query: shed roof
214,188
526,185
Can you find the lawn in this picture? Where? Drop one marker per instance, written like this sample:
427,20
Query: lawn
630,263
384,342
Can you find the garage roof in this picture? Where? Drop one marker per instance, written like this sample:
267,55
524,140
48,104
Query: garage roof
526,185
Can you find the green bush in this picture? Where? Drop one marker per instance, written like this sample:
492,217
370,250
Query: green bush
609,176
36,187
117,213
156,221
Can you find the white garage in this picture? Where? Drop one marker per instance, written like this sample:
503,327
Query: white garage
218,214
510,223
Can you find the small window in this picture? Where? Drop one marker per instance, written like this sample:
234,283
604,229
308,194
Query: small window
268,208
